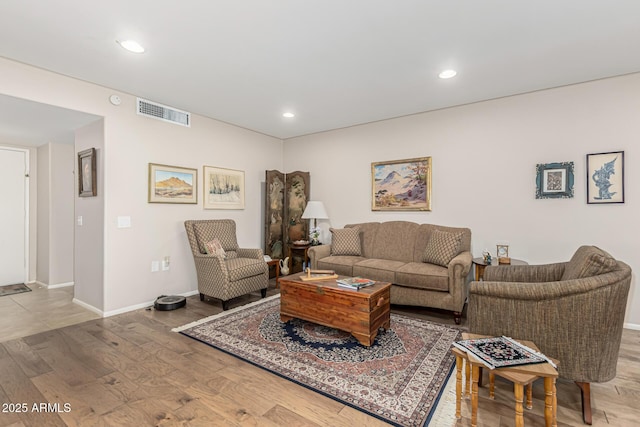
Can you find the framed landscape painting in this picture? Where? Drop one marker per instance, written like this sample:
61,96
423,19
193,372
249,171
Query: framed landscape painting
554,180
605,177
172,184
223,188
401,185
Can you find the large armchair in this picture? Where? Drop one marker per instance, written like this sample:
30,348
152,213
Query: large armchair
573,311
230,271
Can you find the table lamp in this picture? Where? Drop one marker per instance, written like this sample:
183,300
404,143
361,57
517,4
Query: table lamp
314,210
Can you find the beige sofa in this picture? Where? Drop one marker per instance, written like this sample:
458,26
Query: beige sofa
394,252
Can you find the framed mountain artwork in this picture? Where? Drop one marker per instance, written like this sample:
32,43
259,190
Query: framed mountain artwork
172,184
401,185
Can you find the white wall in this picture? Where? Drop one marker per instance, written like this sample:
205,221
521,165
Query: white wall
130,143
61,214
43,209
89,234
484,159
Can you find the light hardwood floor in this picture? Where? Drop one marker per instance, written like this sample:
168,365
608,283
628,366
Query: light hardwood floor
131,370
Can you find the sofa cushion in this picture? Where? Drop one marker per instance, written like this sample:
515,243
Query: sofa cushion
588,261
342,265
442,247
420,275
214,247
346,241
378,269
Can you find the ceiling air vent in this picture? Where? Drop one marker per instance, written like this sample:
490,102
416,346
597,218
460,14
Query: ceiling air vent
164,113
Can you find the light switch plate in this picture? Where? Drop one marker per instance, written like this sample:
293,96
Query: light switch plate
124,221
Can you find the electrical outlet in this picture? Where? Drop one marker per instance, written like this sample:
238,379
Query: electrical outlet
165,263
155,266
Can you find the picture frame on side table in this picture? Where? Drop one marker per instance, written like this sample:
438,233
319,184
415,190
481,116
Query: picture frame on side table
401,185
172,184
223,188
87,179
554,180
605,177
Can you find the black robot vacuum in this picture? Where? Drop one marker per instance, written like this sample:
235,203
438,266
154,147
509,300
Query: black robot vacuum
169,302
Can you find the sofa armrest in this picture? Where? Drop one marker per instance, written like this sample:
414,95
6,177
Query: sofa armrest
250,253
460,265
524,273
318,252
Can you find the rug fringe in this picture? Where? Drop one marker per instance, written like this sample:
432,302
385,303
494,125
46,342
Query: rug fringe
224,313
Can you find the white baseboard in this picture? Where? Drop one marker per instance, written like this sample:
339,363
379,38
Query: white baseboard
633,326
88,307
60,285
54,286
143,305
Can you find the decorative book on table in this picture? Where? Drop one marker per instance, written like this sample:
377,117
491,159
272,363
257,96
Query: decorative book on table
355,282
500,352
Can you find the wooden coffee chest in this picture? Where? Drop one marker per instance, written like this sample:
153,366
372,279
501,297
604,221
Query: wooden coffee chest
359,312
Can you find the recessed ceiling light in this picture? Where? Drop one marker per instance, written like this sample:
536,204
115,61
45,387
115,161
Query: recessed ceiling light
131,46
288,115
447,74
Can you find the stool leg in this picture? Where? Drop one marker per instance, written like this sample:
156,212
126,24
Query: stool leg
492,380
467,377
458,385
474,395
519,394
530,395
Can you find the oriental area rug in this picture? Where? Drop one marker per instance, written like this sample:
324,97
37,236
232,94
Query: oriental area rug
399,379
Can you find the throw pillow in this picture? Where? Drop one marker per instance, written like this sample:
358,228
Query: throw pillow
588,261
442,247
346,241
214,247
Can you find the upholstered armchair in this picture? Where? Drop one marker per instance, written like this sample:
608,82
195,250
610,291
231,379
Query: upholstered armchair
225,270
573,311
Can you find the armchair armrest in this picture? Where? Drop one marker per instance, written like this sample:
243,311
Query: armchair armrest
250,253
524,273
318,252
210,265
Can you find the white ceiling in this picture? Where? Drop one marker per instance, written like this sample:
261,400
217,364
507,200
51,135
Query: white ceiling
335,63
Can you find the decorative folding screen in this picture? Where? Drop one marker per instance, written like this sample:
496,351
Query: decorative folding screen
286,198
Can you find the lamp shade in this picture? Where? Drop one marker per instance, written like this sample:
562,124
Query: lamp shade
314,210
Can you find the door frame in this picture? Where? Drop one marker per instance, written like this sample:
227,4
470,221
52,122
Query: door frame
27,175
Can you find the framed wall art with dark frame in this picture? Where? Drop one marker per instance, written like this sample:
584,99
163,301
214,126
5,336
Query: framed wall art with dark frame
172,184
605,177
554,180
223,188
87,179
401,185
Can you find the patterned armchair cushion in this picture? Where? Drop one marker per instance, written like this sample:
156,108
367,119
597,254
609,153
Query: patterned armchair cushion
588,261
442,247
224,231
346,241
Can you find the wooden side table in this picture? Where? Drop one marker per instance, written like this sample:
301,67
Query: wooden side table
297,249
276,263
521,375
480,265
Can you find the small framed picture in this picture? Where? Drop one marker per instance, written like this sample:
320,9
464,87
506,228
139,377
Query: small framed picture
554,180
502,251
605,177
87,180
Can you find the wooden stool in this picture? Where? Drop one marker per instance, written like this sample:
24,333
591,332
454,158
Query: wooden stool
521,375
